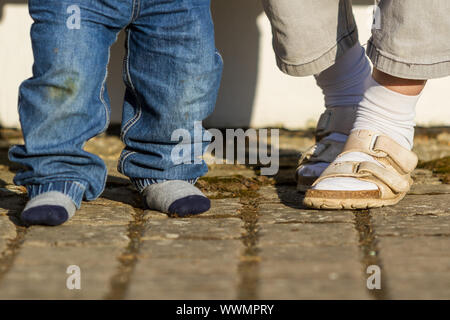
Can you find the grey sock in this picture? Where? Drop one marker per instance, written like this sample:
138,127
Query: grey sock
49,208
176,197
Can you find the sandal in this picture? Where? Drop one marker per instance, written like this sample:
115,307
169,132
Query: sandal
393,179
333,120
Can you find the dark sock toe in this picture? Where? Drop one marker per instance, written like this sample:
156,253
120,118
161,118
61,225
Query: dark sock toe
190,205
45,215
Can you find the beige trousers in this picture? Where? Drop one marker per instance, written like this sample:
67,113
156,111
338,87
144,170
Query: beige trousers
410,38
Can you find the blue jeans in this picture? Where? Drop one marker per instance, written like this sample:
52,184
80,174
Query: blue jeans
172,73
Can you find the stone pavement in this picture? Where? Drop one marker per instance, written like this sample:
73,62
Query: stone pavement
257,241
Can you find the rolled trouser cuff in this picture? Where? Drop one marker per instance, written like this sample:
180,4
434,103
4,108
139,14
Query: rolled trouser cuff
142,183
397,68
72,189
410,39
323,62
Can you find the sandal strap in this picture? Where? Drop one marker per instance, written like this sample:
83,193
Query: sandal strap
381,146
336,119
370,172
395,181
323,151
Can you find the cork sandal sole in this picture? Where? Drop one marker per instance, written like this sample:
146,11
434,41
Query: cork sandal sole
335,200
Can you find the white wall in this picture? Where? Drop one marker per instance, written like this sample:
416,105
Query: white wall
253,93
16,58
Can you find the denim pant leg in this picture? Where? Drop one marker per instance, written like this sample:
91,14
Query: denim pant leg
65,102
172,72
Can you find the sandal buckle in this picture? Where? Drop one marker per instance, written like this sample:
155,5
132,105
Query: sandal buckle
372,146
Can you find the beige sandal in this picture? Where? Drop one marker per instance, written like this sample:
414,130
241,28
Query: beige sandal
334,119
393,180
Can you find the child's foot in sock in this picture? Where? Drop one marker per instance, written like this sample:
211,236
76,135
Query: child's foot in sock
176,197
50,208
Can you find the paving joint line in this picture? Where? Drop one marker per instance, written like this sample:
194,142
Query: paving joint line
311,222
368,245
8,256
248,268
119,283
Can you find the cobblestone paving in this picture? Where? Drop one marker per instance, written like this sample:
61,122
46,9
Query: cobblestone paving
257,241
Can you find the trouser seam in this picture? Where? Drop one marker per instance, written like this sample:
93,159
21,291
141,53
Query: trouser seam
102,90
123,158
138,114
134,12
106,107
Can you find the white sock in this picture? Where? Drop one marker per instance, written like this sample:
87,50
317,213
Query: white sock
387,112
383,111
342,85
